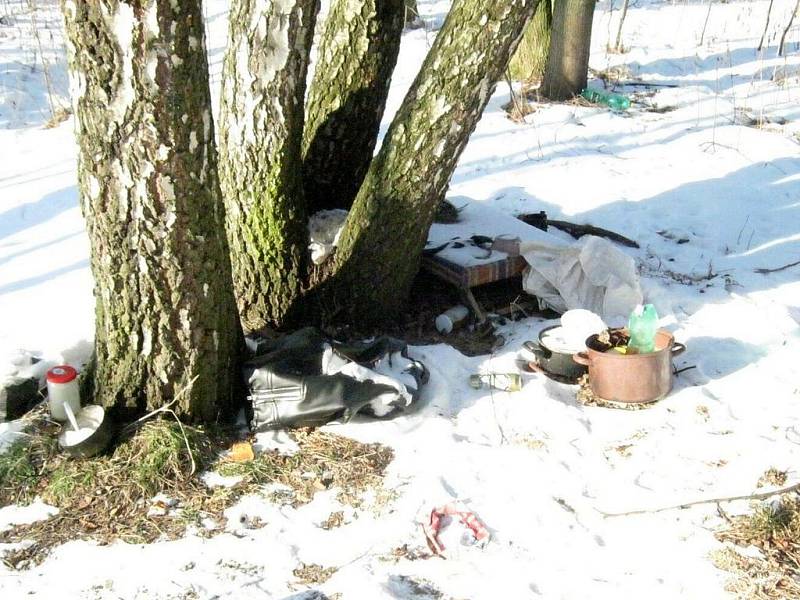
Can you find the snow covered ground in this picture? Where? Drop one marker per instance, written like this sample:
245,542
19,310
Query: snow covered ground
701,192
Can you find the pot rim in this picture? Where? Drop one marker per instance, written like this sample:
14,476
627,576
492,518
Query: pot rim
562,352
617,356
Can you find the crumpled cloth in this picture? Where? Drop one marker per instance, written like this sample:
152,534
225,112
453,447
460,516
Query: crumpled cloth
592,273
445,517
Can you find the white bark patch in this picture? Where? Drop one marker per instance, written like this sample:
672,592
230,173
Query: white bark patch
184,118
177,61
186,323
69,9
439,108
123,24
163,153
147,341
192,141
142,264
166,190
94,187
193,43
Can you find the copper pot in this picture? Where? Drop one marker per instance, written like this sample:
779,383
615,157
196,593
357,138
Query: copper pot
631,378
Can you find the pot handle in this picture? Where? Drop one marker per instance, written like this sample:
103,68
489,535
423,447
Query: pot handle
582,359
678,348
538,350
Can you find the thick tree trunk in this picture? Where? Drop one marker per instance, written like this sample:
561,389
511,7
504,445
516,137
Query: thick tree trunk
166,319
380,247
357,54
568,61
531,55
261,128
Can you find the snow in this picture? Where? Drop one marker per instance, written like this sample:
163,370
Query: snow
538,468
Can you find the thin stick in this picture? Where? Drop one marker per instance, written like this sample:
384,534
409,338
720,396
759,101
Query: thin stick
705,23
783,268
761,496
160,409
766,26
786,29
618,45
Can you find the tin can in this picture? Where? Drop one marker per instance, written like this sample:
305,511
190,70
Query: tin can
506,382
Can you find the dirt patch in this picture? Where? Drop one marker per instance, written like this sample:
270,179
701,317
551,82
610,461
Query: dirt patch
147,489
763,553
313,574
430,296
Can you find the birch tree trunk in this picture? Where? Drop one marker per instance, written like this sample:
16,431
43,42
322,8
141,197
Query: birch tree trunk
531,55
381,244
261,128
357,54
147,175
568,61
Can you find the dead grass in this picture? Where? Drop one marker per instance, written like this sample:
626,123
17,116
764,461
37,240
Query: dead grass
111,497
774,529
313,574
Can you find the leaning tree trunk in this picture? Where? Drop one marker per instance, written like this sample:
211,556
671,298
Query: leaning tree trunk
261,128
166,319
380,247
528,61
357,54
568,62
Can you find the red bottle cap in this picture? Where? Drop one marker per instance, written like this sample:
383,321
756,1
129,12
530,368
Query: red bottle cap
61,374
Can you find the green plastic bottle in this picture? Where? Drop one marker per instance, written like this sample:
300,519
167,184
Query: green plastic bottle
642,325
611,100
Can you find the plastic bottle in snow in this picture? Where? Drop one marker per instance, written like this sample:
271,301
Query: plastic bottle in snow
611,100
642,326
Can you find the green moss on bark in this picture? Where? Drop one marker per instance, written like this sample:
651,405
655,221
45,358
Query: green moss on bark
357,54
381,245
261,125
165,314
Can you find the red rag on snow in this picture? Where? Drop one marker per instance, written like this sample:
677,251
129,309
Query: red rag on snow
453,509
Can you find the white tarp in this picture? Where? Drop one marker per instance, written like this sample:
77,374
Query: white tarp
591,273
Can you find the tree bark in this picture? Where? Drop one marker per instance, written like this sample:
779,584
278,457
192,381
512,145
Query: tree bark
381,244
531,55
147,174
411,10
261,125
568,61
357,54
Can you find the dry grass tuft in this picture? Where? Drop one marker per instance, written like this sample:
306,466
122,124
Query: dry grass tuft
313,574
111,497
774,529
324,461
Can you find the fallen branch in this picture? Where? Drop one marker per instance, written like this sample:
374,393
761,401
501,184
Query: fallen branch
761,496
783,268
577,231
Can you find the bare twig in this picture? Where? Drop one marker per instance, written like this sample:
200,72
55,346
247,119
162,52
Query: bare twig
618,43
766,26
705,23
786,29
166,408
764,271
761,496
